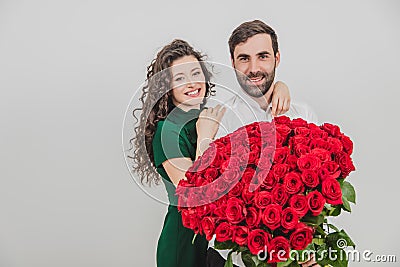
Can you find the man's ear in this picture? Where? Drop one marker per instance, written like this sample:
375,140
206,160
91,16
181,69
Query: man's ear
232,62
277,58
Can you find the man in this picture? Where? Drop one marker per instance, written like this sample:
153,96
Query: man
255,56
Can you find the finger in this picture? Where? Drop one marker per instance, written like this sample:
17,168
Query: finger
285,106
221,114
274,106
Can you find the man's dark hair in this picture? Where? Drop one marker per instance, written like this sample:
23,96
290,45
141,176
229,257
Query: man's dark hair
248,29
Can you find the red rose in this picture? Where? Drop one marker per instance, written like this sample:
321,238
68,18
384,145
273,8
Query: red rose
290,218
298,123
262,199
310,178
323,154
271,216
205,210
253,157
253,217
281,154
299,204
301,149
208,226
257,241
279,140
292,162
280,170
278,249
335,144
247,196
332,168
269,180
309,162
282,120
318,133
211,174
223,232
345,163
236,190
283,130
320,143
316,202
240,234
220,211
248,175
279,194
301,237
235,210
293,183
331,129
331,191
347,144
299,139
303,131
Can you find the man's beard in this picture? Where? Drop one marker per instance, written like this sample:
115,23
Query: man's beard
252,89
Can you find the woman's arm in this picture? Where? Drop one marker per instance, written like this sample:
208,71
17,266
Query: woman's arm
206,126
280,99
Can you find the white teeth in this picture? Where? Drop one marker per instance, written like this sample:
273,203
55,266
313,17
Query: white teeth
193,92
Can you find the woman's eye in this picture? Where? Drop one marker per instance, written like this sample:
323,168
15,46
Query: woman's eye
178,79
196,73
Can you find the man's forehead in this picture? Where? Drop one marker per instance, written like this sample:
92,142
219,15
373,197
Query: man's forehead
254,45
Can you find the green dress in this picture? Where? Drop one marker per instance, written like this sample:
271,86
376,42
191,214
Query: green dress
176,137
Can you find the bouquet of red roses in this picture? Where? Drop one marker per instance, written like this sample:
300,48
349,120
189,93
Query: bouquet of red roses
267,189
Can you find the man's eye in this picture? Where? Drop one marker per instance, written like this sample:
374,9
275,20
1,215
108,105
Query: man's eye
243,59
263,56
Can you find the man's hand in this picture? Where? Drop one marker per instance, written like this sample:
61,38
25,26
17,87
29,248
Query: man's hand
280,99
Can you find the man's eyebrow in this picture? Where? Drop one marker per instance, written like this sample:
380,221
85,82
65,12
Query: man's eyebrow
263,53
242,55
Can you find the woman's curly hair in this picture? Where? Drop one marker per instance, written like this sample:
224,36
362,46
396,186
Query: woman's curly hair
155,99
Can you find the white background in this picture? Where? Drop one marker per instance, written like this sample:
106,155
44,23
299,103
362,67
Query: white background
69,68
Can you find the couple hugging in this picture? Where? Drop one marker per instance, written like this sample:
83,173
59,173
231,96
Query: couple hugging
175,126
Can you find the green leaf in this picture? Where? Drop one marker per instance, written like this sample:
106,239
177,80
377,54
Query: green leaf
320,230
314,220
225,245
339,240
346,204
229,262
335,211
333,227
248,260
318,241
348,191
284,264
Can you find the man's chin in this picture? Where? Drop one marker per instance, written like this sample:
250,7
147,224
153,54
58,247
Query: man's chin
254,91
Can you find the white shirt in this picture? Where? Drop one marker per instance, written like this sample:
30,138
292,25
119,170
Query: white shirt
241,110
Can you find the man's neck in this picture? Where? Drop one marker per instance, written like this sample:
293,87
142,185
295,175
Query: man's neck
263,101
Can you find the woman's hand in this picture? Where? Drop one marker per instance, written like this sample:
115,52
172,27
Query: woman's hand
280,99
207,127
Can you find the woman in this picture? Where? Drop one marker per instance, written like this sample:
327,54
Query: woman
174,129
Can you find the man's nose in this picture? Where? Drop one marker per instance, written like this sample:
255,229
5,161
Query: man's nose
254,66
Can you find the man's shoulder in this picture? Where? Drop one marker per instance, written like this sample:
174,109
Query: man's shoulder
302,110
